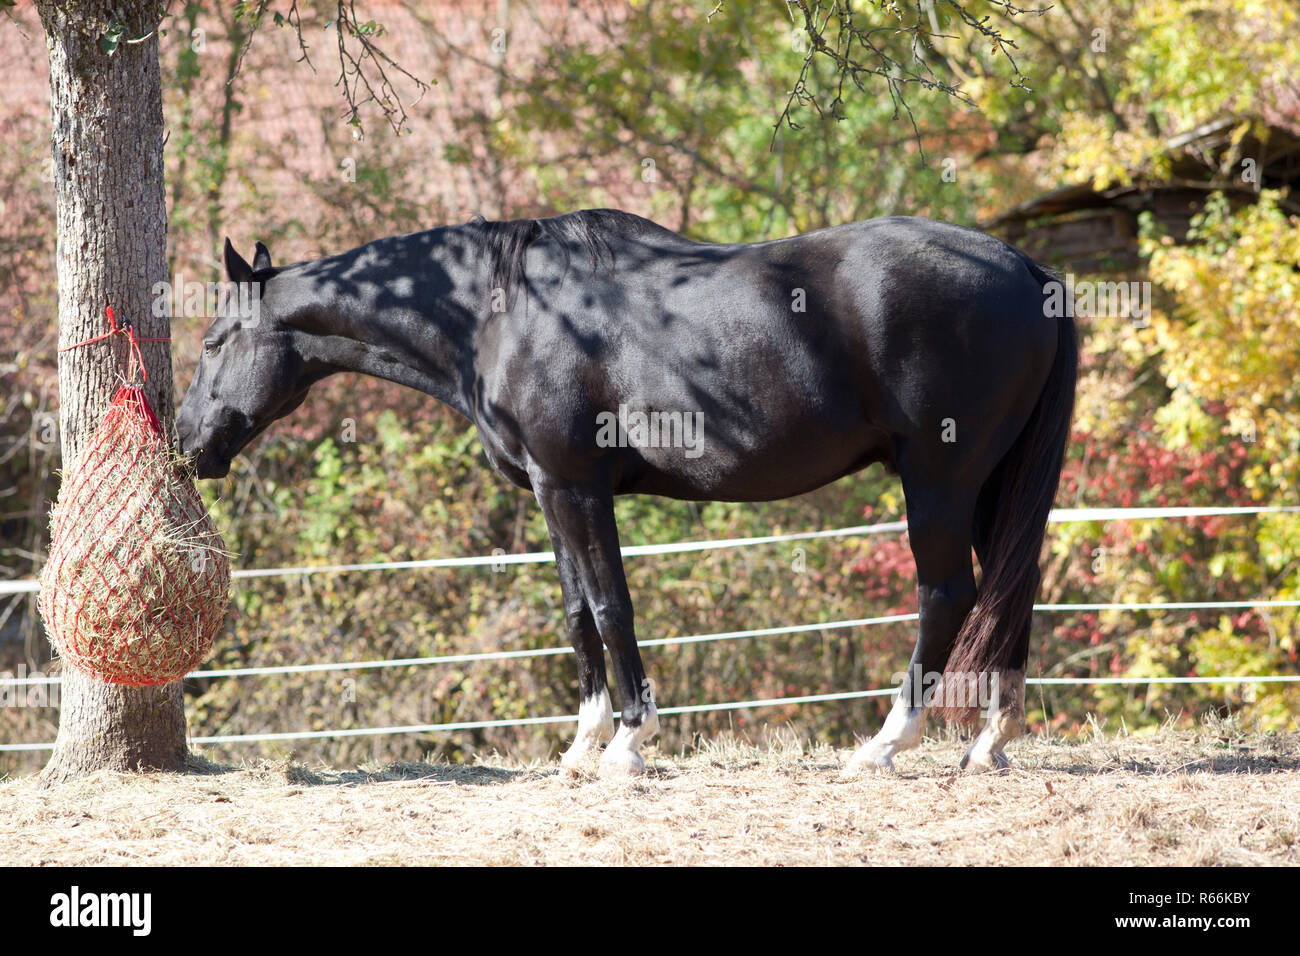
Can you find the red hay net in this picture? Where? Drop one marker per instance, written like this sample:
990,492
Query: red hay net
138,579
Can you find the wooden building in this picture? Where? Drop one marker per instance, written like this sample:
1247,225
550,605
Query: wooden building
1088,231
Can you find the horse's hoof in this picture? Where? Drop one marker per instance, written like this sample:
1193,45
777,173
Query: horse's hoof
581,751
863,762
984,761
573,760
868,768
616,762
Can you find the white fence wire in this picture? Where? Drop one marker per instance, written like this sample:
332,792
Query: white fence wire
1057,516
1061,515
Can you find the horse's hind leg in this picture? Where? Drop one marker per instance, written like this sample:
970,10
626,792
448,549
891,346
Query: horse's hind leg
581,523
1007,707
939,525
1006,722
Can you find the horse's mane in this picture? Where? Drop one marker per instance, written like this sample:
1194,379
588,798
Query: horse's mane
507,241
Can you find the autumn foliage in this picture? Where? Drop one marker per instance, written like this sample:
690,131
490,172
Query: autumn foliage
629,108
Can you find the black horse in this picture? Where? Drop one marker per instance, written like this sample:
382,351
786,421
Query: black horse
585,347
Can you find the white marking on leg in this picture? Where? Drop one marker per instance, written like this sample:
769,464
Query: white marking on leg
623,755
902,731
595,727
1006,722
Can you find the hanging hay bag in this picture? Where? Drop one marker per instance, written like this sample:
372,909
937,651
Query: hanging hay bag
138,578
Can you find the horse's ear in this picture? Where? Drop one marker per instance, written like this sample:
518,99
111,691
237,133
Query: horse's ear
261,258
237,270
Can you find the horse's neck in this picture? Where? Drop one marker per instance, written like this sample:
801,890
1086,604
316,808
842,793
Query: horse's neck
419,329
442,378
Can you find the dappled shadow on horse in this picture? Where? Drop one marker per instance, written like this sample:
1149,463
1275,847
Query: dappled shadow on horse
599,354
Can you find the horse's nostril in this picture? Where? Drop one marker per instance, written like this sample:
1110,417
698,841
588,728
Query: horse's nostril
184,444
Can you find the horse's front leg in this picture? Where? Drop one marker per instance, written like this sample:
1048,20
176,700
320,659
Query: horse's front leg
595,713
580,519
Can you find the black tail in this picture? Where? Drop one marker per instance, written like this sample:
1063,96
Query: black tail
1025,488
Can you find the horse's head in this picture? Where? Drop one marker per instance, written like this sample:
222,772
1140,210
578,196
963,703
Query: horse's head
251,372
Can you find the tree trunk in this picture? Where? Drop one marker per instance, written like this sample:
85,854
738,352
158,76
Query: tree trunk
112,228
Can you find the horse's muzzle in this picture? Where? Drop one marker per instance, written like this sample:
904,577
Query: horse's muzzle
208,465
206,461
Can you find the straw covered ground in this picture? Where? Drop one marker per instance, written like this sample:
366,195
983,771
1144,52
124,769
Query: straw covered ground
1213,796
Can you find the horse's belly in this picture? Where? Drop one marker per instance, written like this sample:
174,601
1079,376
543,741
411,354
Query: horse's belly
781,466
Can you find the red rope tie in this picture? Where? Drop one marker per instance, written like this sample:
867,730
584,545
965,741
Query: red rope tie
129,331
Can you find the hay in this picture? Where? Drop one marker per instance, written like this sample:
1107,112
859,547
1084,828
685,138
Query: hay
138,579
1213,797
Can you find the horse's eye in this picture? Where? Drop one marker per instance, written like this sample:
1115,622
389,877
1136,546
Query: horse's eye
210,348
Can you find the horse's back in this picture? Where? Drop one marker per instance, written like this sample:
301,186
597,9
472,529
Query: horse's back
895,300
805,357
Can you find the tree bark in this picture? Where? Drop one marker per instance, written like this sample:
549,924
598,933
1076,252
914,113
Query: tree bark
107,141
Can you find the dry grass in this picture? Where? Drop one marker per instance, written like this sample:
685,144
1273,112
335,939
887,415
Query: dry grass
1210,797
